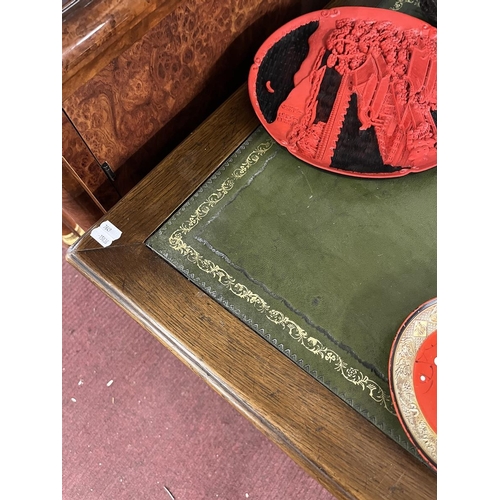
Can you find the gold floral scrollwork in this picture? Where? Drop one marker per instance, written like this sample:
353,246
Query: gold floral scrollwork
313,345
399,3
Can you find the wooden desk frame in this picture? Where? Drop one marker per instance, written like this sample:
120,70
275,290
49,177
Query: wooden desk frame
336,445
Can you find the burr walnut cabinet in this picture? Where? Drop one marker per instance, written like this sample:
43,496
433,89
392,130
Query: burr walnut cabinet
138,76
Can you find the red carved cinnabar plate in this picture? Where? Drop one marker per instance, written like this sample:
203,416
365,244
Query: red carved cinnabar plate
413,379
351,90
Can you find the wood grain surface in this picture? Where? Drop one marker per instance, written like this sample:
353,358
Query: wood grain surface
139,76
79,209
340,448
199,53
85,168
95,32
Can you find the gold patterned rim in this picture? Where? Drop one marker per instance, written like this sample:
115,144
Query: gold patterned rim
420,324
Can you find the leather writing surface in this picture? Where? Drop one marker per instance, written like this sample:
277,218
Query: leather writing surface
324,266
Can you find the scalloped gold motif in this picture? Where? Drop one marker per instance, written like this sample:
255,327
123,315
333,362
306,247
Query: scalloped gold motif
400,3
423,324
176,242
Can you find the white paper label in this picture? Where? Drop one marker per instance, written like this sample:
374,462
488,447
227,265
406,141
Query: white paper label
106,233
113,232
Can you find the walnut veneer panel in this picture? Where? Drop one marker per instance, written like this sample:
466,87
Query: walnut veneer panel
146,100
96,31
329,439
85,168
79,209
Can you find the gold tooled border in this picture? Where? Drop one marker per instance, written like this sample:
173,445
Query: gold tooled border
399,3
412,334
297,333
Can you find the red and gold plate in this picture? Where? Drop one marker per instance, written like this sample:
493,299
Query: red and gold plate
413,379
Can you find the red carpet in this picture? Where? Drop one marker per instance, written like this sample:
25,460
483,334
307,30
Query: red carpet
137,422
